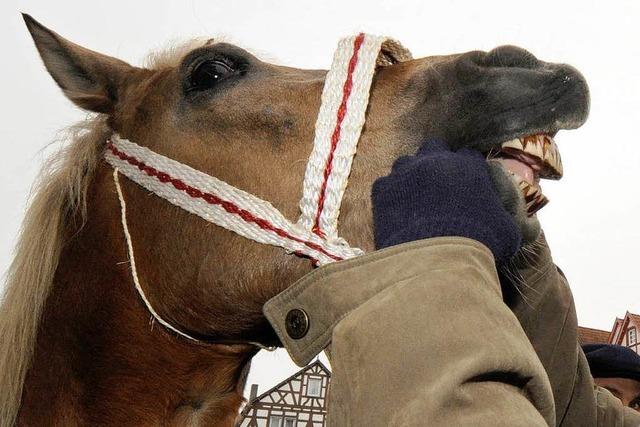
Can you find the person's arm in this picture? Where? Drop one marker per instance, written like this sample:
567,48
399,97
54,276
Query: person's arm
420,333
439,348
540,297
419,336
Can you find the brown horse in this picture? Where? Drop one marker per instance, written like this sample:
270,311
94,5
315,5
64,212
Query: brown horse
77,344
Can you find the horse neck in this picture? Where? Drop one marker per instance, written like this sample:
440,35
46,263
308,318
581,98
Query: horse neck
98,359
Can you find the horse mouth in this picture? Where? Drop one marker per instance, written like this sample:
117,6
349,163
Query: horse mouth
530,159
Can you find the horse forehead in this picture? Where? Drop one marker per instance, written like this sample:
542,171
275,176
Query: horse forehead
172,55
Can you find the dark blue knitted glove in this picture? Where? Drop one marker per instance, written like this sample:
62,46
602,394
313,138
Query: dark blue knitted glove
439,192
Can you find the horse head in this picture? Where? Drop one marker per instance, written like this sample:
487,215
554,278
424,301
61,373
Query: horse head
221,110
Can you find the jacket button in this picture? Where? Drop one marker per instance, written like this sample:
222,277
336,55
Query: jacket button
297,323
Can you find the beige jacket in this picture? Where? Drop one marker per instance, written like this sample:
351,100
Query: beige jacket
420,335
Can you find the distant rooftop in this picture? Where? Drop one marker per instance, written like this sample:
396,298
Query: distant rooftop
624,332
592,336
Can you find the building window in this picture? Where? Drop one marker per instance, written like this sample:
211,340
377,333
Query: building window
632,336
314,387
280,421
275,421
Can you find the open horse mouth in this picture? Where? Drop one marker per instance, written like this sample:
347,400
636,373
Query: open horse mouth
509,105
530,159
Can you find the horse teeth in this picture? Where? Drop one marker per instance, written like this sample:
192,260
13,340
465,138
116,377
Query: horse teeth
533,197
541,154
514,143
543,203
541,147
546,144
537,204
532,146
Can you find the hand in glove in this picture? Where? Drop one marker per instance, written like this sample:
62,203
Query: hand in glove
439,192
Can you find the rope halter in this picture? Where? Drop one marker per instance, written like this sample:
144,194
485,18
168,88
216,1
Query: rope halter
345,97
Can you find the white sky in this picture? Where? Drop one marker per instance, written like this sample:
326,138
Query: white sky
592,220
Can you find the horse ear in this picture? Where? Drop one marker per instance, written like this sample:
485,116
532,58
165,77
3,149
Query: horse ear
89,79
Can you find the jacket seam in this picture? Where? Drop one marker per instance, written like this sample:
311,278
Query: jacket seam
554,353
573,389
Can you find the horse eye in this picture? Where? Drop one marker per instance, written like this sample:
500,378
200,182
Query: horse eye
207,74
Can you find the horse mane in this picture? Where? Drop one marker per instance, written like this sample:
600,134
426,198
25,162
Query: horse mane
58,197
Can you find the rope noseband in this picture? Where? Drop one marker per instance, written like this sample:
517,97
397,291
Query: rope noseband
345,97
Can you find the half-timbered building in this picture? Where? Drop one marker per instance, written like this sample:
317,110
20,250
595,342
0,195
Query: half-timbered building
298,401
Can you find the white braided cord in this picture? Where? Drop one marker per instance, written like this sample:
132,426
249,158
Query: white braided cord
215,213
132,261
134,270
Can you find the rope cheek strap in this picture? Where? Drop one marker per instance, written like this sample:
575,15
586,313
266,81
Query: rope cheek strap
345,98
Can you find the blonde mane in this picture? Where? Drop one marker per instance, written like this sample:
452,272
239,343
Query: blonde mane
58,194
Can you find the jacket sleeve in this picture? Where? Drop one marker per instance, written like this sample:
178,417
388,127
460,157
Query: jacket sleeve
541,299
435,345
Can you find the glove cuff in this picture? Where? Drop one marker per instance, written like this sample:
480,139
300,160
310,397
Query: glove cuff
493,237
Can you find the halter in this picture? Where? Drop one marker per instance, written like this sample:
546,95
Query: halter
345,98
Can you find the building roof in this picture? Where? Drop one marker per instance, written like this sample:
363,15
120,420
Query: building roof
621,325
615,336
592,336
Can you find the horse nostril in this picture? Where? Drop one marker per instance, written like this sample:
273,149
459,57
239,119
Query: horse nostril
510,56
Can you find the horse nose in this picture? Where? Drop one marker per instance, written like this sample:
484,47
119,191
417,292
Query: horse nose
510,56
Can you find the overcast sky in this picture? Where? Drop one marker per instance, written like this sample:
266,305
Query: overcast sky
592,219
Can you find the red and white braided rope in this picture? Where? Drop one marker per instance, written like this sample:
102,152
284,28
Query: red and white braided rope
218,202
345,98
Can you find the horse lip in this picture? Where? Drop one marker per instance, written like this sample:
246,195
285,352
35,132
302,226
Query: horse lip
560,101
